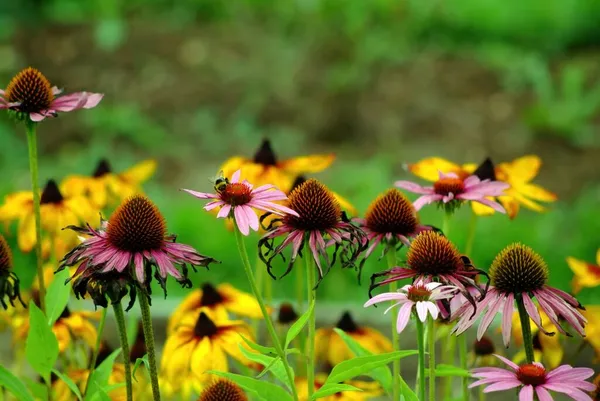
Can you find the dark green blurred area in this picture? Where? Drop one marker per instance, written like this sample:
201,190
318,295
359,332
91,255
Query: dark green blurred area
381,83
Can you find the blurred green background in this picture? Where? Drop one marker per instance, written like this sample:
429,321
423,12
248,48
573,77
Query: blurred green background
381,83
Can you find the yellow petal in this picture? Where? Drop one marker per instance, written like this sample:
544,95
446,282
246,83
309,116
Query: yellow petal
552,350
322,338
233,164
139,173
523,169
481,209
189,305
16,205
239,303
337,350
536,192
429,168
345,204
598,256
26,233
587,275
61,331
510,205
528,203
306,164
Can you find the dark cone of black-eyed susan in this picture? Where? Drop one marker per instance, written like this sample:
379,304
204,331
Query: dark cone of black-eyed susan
31,89
316,205
51,194
518,269
431,253
103,168
223,390
484,347
9,282
265,155
393,213
287,314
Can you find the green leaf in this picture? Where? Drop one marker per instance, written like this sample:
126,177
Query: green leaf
138,362
57,296
331,389
39,390
259,348
99,394
382,374
442,370
100,376
41,347
299,325
273,365
72,386
14,385
363,365
407,392
260,389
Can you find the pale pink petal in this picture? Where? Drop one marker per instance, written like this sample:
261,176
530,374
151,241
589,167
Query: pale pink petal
214,204
70,102
224,212
200,195
507,318
433,310
508,362
236,176
386,296
526,393
403,316
413,187
241,220
426,200
422,310
251,217
505,384
139,267
36,117
56,91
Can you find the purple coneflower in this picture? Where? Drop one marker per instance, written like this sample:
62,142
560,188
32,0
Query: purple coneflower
237,200
316,215
421,297
534,379
31,93
520,274
451,190
134,238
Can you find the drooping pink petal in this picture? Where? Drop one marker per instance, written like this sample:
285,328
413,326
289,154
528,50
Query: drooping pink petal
139,267
241,220
413,187
251,217
508,362
200,195
214,204
507,313
526,393
403,316
506,384
421,308
224,211
426,200
74,101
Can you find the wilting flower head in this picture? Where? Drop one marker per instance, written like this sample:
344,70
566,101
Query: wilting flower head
133,241
520,273
239,199
420,297
369,390
287,314
105,187
316,215
9,282
223,390
432,256
265,168
535,379
31,94
450,191
587,275
220,300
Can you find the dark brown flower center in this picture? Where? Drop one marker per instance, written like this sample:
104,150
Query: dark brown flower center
484,347
432,253
418,293
317,207
137,226
287,314
347,324
31,89
392,213
223,390
531,374
102,169
265,155
236,193
210,296
449,185
5,255
518,269
51,194
205,327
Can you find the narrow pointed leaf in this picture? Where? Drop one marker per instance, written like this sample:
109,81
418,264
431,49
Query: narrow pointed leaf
57,296
407,393
331,389
69,382
363,365
442,370
298,325
15,386
41,347
259,348
274,365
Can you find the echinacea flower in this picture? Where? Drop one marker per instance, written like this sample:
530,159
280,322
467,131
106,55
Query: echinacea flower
518,174
420,297
316,216
220,301
369,390
332,349
31,94
546,349
450,191
483,352
344,203
223,390
519,274
9,282
105,187
238,199
587,275
57,211
432,256
202,343
533,380
265,168
134,240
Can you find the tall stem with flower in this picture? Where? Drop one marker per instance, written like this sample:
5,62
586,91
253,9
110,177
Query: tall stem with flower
396,390
311,297
122,328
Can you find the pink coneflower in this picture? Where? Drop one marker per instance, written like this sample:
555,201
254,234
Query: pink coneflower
317,216
534,379
518,273
134,238
451,190
432,257
420,297
30,92
239,199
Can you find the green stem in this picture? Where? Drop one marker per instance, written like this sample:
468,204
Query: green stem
462,355
120,318
92,365
311,296
481,393
396,390
259,271
30,127
446,224
421,366
448,355
149,339
526,327
471,234
431,334
300,278
269,323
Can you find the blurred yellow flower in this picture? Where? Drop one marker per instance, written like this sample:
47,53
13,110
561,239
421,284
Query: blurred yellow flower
202,343
482,353
330,347
546,349
369,389
79,376
586,274
518,174
57,212
265,168
184,387
104,187
225,298
592,328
